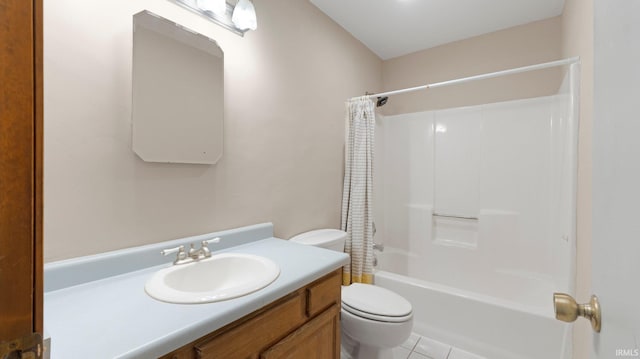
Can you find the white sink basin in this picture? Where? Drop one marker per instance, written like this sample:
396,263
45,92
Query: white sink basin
220,277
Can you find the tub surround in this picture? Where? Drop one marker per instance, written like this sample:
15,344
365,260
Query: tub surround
482,198
97,305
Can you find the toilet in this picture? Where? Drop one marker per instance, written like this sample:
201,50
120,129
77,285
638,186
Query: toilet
373,319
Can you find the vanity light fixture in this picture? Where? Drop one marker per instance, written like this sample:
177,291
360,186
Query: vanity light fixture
218,7
237,19
244,15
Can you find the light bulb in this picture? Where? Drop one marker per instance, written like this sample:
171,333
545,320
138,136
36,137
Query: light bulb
218,7
244,16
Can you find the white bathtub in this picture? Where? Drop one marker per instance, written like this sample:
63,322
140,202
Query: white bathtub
487,326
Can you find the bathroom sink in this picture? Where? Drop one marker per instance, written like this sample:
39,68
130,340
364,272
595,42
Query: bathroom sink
219,277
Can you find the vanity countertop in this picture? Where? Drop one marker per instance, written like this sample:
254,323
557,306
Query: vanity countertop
113,317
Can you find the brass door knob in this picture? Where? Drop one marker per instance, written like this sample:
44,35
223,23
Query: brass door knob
568,310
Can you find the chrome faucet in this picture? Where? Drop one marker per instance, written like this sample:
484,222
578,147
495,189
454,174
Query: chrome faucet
204,251
377,247
193,255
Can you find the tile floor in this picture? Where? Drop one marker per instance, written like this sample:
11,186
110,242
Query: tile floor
418,347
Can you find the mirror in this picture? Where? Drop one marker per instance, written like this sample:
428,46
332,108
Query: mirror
178,93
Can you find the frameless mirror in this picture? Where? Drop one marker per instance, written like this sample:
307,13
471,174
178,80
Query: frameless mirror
178,93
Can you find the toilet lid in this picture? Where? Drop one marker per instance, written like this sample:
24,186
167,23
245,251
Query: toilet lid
376,303
319,237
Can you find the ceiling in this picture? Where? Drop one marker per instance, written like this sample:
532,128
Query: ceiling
392,28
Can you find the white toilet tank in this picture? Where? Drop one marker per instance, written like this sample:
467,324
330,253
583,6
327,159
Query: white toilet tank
332,239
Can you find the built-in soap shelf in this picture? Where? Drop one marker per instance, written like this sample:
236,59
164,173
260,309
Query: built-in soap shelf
455,231
453,216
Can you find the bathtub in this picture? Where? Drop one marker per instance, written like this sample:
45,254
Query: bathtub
490,327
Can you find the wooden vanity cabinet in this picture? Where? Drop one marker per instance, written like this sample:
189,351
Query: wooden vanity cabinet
304,324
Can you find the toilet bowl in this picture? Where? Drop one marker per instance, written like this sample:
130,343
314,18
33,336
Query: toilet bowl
373,319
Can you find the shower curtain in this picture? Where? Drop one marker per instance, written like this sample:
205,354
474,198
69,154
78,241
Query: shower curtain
357,195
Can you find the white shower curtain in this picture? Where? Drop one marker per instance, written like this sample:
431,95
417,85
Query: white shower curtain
357,195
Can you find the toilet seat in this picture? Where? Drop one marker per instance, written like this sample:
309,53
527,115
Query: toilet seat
375,303
374,317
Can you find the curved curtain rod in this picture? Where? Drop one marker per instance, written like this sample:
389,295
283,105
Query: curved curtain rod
545,65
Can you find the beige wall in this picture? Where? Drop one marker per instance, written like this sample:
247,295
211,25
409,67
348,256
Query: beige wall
523,45
285,86
577,40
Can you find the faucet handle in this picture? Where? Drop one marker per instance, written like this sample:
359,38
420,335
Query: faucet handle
206,252
180,258
211,241
168,251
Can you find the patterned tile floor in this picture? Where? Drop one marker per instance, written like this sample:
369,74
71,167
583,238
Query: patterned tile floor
418,347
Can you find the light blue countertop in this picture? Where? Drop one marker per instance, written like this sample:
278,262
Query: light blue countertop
111,316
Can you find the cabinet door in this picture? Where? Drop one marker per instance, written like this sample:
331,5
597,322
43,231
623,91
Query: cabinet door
184,353
249,338
317,339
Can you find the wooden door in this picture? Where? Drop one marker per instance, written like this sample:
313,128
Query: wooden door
20,170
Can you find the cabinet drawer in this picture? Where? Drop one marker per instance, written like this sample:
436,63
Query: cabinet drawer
256,333
324,293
